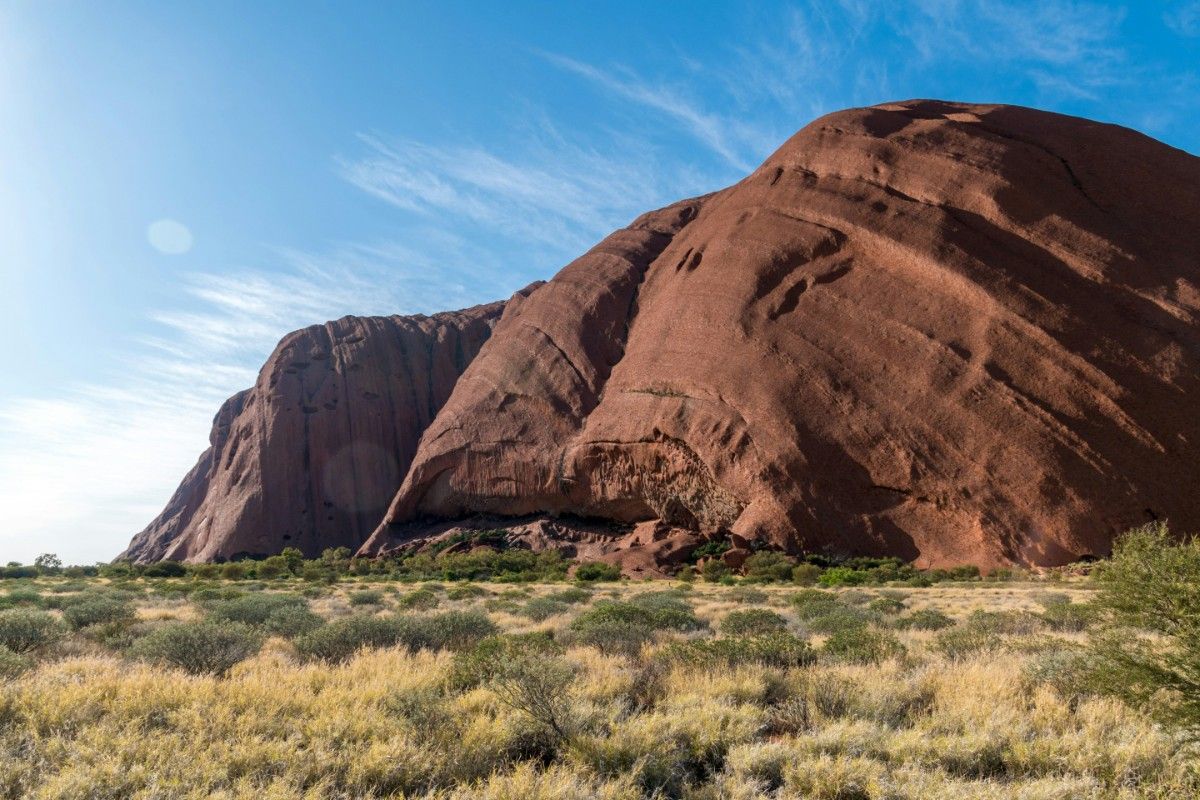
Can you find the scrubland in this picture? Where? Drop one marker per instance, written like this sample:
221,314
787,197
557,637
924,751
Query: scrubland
190,688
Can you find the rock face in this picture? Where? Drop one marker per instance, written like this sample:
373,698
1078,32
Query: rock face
311,455
951,333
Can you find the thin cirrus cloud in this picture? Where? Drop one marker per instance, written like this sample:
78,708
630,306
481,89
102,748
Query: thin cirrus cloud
1184,18
737,143
557,195
90,466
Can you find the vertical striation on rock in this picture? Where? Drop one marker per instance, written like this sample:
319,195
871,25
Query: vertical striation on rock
312,454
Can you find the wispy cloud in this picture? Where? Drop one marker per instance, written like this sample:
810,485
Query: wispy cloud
736,141
1184,18
558,195
91,465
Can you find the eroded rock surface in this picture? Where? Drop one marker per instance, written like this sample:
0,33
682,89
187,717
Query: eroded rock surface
952,333
312,454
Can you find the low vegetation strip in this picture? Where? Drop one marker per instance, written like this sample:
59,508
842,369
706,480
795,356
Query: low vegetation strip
195,685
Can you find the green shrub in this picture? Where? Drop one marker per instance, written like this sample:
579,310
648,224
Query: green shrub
367,597
1150,593
844,576
542,608
747,594
1004,623
964,573
209,595
466,591
419,599
862,646
68,587
610,630
25,630
20,597
885,605
715,570
292,621
98,610
768,566
507,566
855,597
776,649
752,622
840,619
233,571
252,609
714,549
12,664
164,569
341,639
668,610
199,647
1068,617
806,574
927,619
626,626
597,571
572,595
499,604
966,640
811,603
450,630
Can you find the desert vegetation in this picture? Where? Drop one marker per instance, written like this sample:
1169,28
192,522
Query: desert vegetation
326,678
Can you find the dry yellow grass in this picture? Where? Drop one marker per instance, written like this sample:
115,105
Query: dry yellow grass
89,724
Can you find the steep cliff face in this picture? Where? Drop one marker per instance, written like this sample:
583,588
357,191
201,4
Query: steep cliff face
953,333
311,455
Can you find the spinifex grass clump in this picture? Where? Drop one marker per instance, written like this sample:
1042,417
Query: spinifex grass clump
252,609
99,610
341,639
774,649
752,622
199,647
626,626
26,630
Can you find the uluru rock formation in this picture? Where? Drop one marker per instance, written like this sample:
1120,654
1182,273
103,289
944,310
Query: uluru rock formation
311,455
952,333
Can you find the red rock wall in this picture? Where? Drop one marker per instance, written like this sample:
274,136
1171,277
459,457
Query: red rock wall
945,332
311,455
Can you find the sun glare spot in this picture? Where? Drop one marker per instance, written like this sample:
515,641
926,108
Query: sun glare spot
169,236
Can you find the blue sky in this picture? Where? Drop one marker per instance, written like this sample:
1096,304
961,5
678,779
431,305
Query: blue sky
183,183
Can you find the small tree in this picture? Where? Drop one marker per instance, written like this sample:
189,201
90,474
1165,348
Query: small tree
1149,654
338,559
48,564
526,672
293,558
